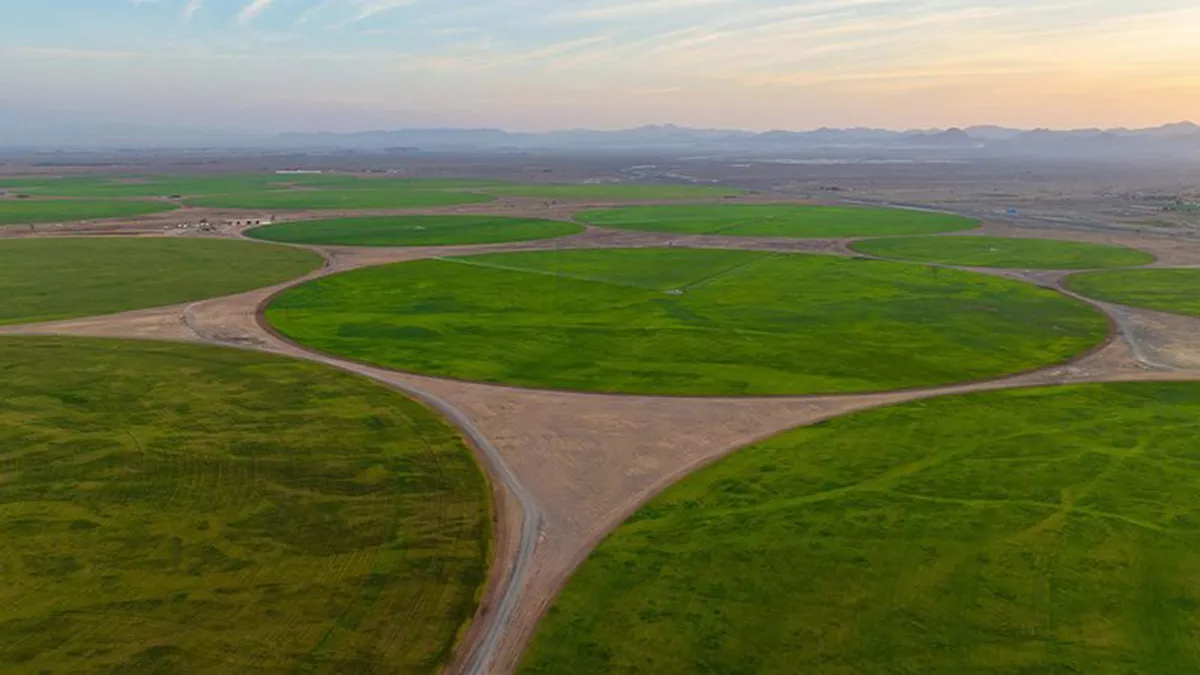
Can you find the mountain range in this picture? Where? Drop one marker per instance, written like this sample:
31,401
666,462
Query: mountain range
1180,140
1173,141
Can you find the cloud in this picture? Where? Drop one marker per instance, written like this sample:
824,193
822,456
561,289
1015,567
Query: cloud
369,8
633,9
190,9
251,11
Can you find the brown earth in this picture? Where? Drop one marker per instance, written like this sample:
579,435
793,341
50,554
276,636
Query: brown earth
567,468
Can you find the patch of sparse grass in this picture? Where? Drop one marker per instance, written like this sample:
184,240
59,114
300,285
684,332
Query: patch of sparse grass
1037,531
688,322
414,231
777,220
1047,254
50,279
1165,290
184,509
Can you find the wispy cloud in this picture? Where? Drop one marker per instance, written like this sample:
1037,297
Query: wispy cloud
251,11
697,58
626,10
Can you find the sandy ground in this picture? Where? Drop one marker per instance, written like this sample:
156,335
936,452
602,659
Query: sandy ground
568,468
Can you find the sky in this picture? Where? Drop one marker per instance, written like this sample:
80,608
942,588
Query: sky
346,65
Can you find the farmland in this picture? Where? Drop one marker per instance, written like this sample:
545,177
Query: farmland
414,231
1004,252
200,509
678,322
616,192
49,279
1164,290
776,220
366,198
182,509
30,212
195,185
1049,530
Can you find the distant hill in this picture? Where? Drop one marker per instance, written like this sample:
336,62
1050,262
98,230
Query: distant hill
1180,140
1172,140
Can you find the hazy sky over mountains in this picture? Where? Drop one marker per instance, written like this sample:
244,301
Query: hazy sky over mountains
277,65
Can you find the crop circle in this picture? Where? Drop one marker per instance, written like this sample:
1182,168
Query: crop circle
688,322
1046,530
797,221
186,509
63,278
1005,252
414,231
1165,290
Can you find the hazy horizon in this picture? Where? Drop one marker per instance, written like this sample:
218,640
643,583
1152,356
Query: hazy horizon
536,65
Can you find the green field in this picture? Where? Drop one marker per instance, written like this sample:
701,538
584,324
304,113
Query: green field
182,509
374,198
1165,290
1037,531
615,192
1048,254
688,322
776,220
50,279
31,212
414,231
194,185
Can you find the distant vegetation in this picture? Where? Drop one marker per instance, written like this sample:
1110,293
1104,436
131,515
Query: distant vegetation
688,322
61,278
616,192
35,211
1005,252
194,185
777,220
1165,290
403,198
181,509
1035,531
299,191
414,231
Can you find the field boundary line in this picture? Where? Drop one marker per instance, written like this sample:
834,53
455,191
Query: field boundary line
728,272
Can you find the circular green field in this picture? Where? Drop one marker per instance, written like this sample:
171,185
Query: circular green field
32,212
1036,531
1047,254
414,231
1165,290
50,279
688,322
319,200
625,192
777,220
182,509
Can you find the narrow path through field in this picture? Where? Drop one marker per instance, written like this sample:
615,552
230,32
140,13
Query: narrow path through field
568,467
